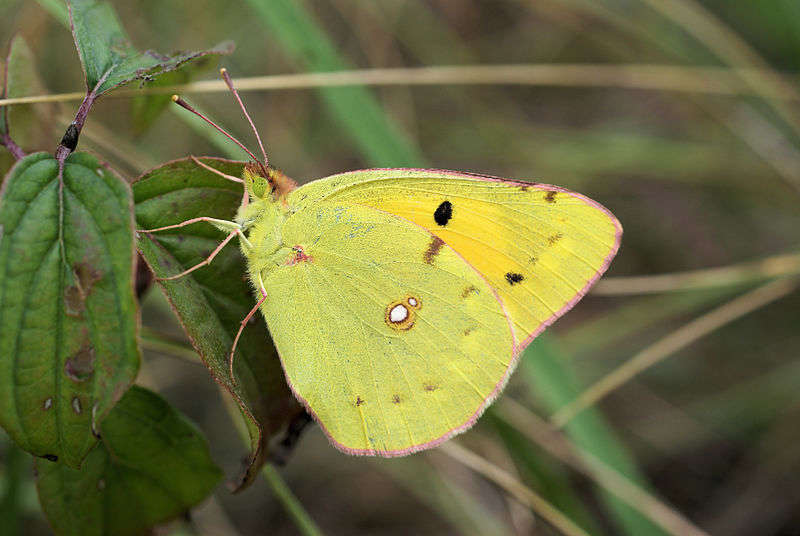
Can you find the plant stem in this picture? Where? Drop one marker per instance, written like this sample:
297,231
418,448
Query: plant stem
590,465
13,148
293,506
675,341
735,274
279,488
643,77
513,487
70,140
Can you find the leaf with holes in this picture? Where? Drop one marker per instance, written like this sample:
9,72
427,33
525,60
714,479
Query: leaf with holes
68,317
109,59
211,302
151,465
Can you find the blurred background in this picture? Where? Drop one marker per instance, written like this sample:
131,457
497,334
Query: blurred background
680,116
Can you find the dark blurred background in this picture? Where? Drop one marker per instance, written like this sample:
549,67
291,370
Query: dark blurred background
699,161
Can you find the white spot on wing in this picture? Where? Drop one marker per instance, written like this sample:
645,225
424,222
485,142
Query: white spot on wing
412,302
398,313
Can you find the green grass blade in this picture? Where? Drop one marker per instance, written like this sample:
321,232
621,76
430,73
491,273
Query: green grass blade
356,109
544,476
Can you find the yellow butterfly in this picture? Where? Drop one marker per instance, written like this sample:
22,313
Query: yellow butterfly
400,299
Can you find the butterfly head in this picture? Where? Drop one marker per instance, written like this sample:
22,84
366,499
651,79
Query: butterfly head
265,183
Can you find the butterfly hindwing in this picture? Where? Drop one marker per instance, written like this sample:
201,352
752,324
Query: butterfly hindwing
391,353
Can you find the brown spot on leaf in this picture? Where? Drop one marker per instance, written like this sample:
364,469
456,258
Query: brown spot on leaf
74,302
433,249
80,366
75,295
555,238
87,276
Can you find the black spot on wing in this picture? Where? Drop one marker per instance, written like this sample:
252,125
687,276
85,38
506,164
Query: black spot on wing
550,196
443,213
514,278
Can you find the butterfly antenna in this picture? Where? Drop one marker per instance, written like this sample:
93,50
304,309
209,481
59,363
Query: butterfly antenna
182,103
229,83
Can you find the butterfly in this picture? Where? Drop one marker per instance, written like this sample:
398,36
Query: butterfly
400,300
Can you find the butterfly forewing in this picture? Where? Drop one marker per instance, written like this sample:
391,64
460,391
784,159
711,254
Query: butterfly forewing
540,247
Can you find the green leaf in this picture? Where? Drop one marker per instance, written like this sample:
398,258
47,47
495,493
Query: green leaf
355,108
57,9
211,302
109,59
13,471
26,124
145,109
68,315
19,79
545,369
151,465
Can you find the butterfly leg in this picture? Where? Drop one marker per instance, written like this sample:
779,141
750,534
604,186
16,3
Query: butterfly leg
244,323
245,197
219,224
235,229
204,262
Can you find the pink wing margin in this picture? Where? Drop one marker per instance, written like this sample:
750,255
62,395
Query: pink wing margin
518,347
